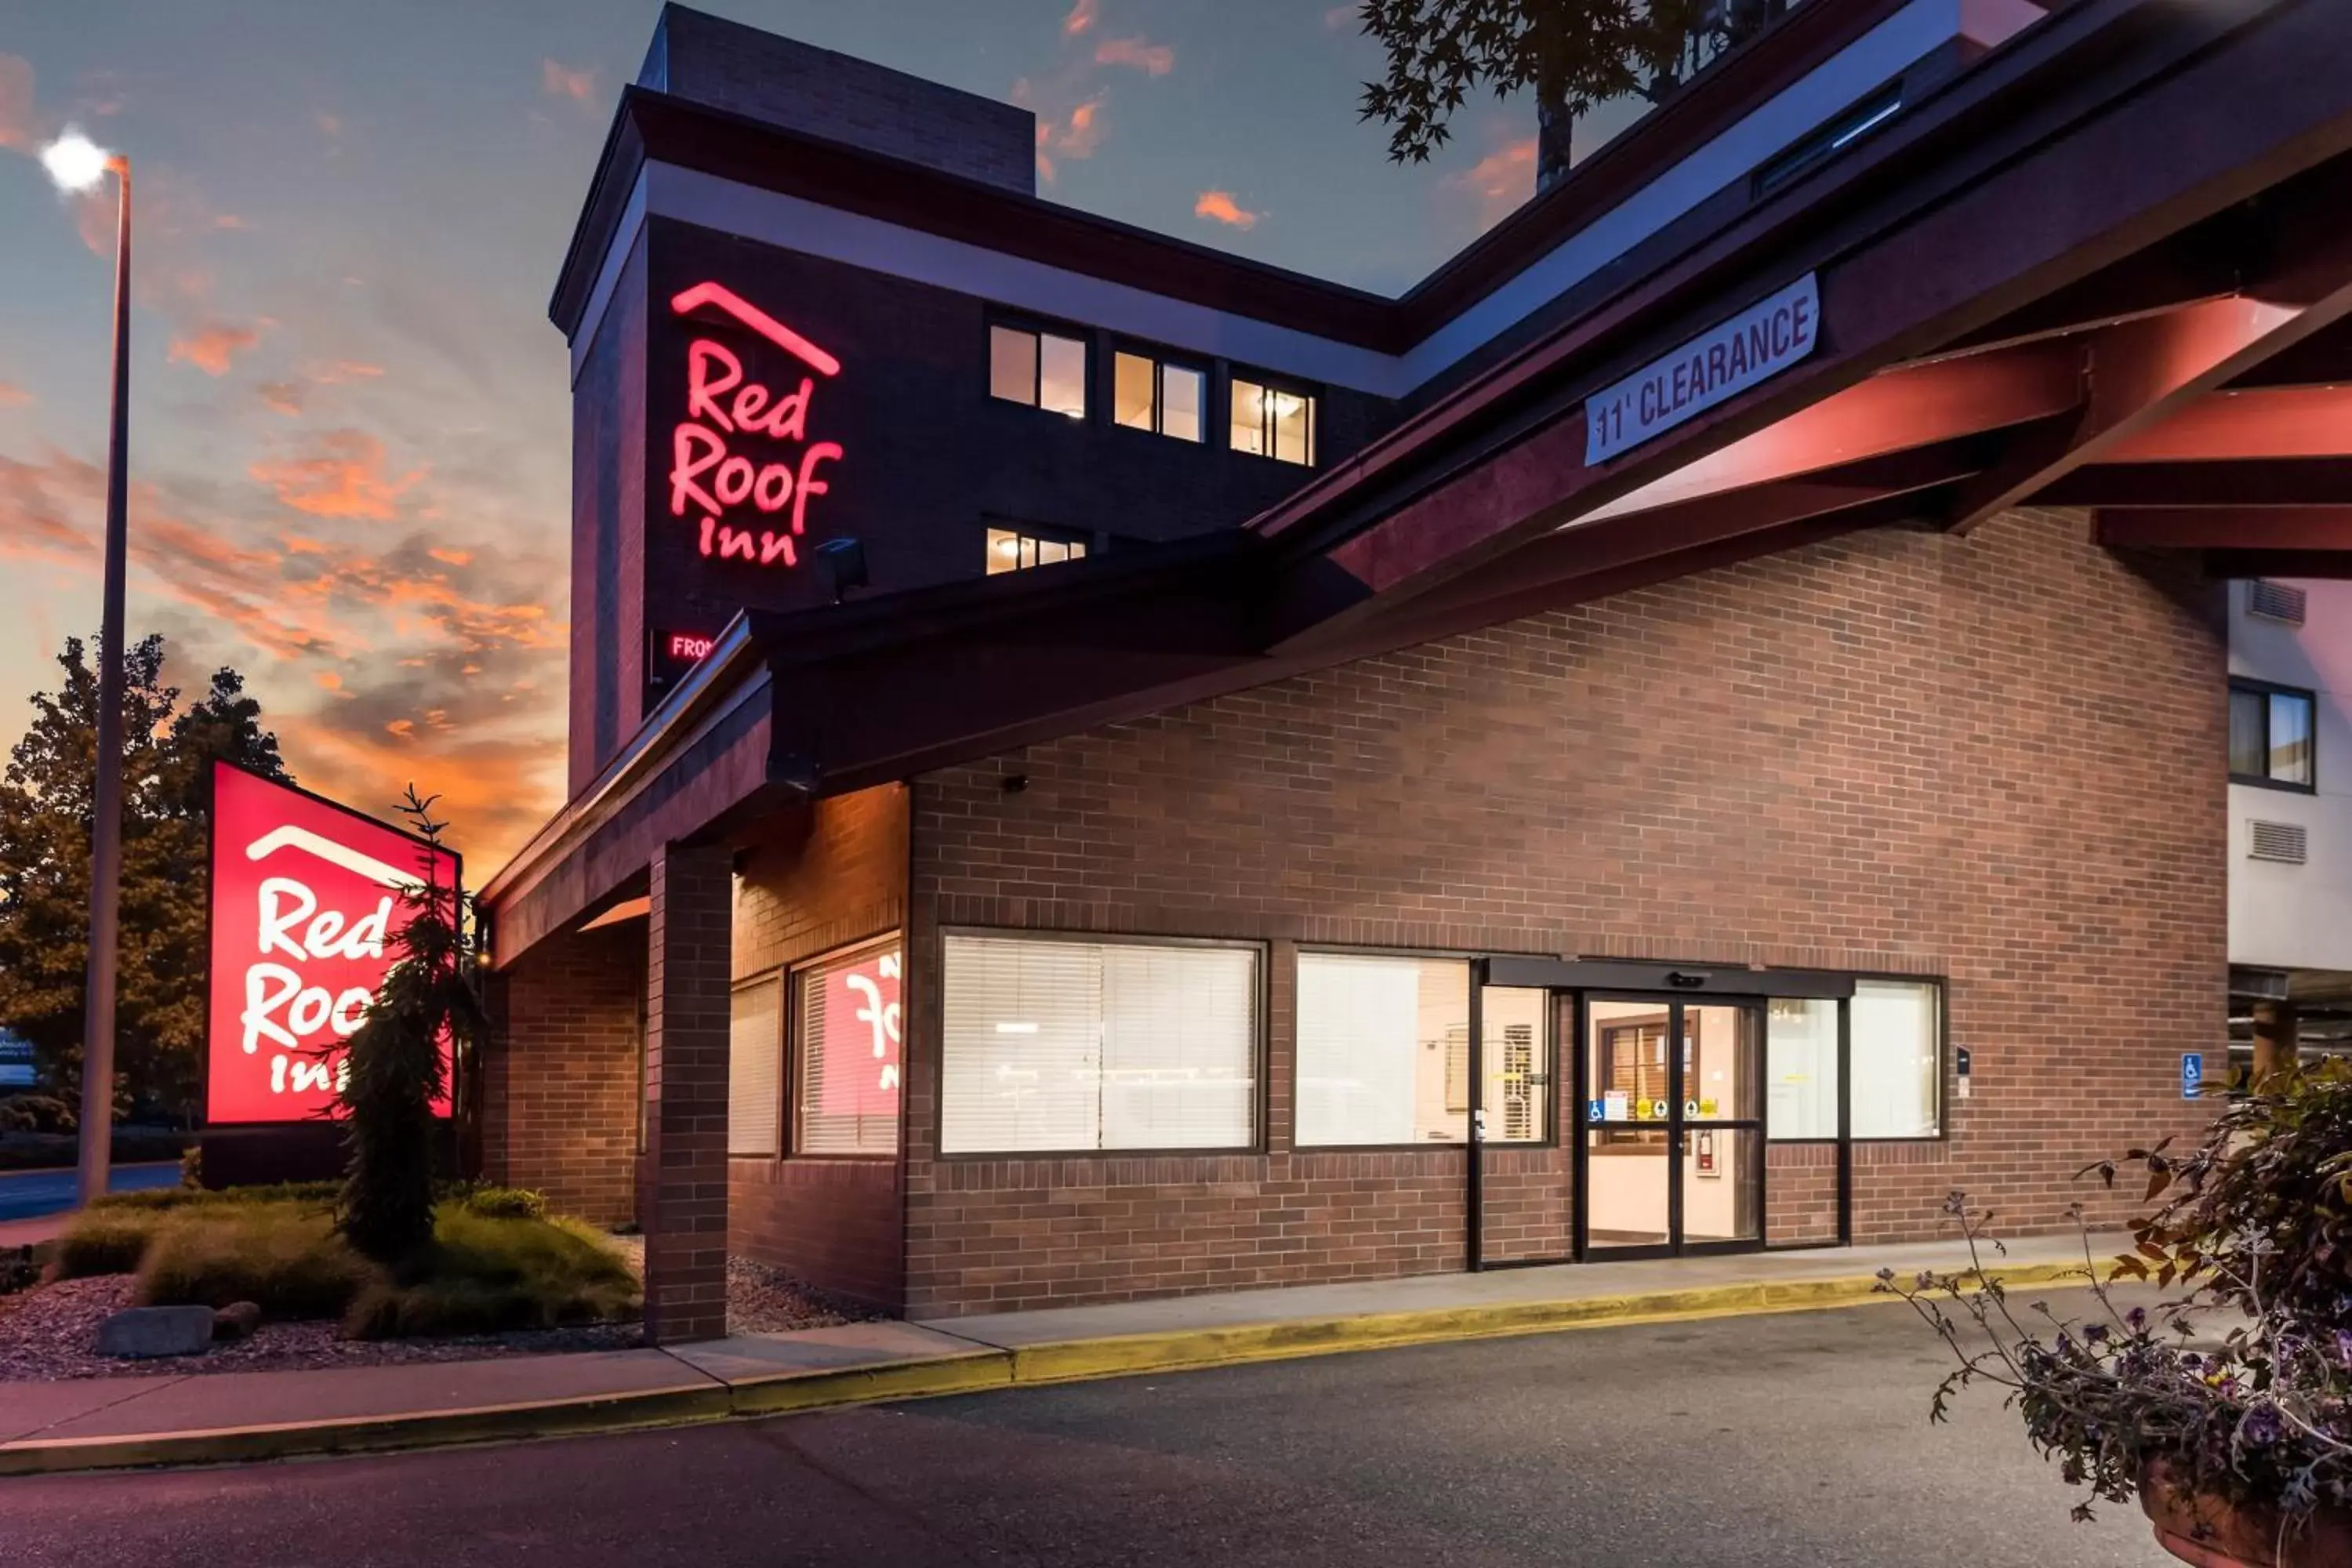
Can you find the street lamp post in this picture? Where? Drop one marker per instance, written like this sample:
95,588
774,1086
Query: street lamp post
77,165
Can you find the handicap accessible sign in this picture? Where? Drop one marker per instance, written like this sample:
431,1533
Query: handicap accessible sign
2193,1074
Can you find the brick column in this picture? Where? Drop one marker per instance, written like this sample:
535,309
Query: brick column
682,1191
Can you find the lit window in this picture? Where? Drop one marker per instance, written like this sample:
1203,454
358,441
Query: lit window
1053,1046
1012,549
1039,369
1274,422
845,1032
1801,1068
1897,1057
1148,394
1384,1053
755,1048
2270,735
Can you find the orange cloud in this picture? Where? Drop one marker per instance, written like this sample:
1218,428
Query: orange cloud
14,396
1154,59
1221,206
210,346
451,557
332,372
1081,17
282,397
562,81
16,127
344,477
1503,179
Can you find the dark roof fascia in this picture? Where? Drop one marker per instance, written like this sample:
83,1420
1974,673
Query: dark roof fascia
652,124
657,126
1962,131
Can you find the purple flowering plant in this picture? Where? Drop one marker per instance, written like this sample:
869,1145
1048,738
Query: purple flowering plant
2237,1381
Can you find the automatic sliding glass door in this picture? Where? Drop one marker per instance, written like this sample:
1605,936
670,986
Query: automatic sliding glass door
1673,1130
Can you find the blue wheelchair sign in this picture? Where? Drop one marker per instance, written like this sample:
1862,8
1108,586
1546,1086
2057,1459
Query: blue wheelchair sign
1594,1110
2193,1074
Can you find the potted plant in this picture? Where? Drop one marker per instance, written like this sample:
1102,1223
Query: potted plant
2224,1402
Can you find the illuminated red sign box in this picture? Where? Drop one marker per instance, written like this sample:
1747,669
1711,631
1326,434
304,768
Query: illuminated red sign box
306,898
741,464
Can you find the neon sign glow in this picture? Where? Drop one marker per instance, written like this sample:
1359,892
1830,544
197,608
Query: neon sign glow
306,898
708,476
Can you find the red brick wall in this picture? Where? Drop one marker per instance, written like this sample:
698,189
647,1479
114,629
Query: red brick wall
560,1080
816,880
1997,758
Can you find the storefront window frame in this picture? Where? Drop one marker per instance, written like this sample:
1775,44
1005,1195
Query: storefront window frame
1260,1054
793,1137
1942,987
1553,1112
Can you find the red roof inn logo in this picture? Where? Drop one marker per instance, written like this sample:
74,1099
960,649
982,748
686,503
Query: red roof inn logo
742,445
305,902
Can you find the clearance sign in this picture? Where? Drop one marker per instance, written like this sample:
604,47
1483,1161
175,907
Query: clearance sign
1725,360
306,898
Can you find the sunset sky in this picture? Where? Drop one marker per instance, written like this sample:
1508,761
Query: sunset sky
349,415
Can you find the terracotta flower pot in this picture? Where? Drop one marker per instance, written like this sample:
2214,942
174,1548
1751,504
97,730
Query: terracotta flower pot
2211,1531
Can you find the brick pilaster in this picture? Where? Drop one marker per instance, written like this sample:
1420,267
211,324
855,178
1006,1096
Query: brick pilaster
682,1193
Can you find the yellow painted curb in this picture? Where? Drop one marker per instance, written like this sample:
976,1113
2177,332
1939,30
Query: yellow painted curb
788,1392
1192,1348
370,1434
978,1370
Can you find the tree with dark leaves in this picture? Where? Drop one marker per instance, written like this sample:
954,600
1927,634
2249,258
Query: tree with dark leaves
392,1070
45,830
1573,53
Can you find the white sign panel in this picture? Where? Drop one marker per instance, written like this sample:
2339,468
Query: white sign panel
1755,345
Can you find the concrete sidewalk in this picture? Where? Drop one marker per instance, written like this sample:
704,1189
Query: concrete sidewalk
105,1423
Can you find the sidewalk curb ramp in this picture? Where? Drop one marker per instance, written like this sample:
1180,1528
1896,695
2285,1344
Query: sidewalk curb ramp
982,1368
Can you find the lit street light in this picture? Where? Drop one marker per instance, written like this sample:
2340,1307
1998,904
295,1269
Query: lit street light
76,164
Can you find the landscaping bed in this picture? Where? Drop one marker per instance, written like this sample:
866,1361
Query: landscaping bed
503,1279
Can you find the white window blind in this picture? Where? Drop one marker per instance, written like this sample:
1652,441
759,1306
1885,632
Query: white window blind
846,1029
1383,1049
1801,1068
1069,1046
1896,1058
755,1045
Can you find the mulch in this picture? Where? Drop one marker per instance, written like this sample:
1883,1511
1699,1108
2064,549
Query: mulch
47,1332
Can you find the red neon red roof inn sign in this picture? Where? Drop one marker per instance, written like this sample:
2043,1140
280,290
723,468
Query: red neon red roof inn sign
741,466
306,900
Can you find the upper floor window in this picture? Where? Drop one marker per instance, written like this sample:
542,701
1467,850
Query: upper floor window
1011,549
1274,422
2270,735
1152,395
1041,369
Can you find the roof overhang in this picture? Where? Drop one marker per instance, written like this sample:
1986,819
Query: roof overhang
2077,261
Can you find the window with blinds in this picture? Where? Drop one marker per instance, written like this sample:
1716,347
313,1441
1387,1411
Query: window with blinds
1384,1053
1383,1049
755,1050
846,1027
1072,1047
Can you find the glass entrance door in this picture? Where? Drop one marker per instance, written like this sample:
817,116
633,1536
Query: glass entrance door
1673,1154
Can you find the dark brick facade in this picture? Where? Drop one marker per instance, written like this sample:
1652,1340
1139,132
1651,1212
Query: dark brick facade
815,880
1996,759
682,1178
559,1079
930,461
